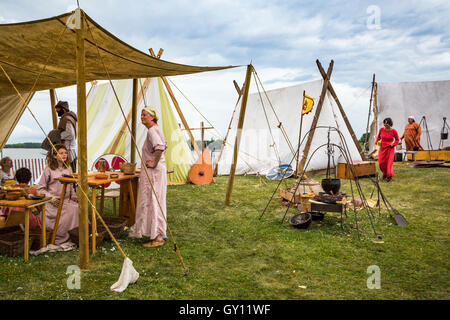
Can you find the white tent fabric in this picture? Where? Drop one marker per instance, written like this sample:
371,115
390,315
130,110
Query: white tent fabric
257,150
429,99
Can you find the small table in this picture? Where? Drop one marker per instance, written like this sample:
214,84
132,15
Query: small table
14,218
127,190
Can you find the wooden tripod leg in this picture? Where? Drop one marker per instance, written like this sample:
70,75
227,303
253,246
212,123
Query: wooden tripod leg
58,214
43,229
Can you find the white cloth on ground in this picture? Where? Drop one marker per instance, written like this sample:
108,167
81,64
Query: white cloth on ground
128,276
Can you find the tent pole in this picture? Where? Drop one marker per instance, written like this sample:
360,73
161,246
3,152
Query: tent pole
134,120
239,132
368,116
52,105
347,123
326,80
239,91
83,205
177,107
300,133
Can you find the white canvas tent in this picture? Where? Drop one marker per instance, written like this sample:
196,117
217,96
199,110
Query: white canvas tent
108,132
258,151
398,100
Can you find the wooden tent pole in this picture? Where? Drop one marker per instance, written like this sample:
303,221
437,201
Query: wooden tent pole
177,106
83,205
53,103
134,120
347,123
316,116
368,116
239,91
239,133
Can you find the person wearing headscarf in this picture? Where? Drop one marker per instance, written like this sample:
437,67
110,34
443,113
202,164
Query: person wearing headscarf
412,135
151,199
68,129
387,139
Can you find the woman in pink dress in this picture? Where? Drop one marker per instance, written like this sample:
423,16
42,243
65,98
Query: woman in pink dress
151,208
387,139
57,165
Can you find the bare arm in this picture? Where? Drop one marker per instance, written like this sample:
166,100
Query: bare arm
154,163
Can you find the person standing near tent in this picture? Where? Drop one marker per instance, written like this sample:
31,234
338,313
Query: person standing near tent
150,220
57,165
387,139
412,135
68,128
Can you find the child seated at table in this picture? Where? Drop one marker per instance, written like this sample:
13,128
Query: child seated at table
58,165
23,179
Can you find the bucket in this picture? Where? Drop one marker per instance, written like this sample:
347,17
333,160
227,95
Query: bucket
444,135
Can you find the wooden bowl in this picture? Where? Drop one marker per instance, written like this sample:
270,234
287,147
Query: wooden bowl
114,175
101,176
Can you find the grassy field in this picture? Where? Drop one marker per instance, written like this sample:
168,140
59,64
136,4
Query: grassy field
232,254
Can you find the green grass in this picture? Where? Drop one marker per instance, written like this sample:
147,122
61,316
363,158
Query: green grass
231,254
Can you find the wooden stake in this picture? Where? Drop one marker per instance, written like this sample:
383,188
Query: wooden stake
134,120
347,123
177,107
83,203
316,115
239,133
53,103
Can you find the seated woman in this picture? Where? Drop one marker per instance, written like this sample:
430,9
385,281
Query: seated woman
23,177
57,165
6,174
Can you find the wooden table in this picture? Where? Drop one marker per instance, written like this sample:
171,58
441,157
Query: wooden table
15,218
128,197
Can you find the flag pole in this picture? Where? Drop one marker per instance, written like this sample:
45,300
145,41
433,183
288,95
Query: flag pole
300,132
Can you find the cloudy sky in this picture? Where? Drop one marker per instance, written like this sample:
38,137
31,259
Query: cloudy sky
395,40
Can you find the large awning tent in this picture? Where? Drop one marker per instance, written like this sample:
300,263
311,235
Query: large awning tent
399,100
63,51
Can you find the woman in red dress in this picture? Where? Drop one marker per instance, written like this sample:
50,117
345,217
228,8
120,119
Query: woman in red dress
387,139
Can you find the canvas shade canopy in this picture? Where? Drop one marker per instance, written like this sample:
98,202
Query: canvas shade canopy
258,152
399,100
25,48
107,129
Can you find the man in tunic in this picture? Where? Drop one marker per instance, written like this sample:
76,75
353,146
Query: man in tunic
68,128
412,135
151,199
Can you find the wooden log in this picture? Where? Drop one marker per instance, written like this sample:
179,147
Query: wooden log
83,203
239,133
347,123
316,116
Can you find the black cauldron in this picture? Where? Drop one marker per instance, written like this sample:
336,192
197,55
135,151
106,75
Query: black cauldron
301,220
331,185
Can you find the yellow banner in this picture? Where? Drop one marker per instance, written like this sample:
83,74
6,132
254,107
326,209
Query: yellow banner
308,104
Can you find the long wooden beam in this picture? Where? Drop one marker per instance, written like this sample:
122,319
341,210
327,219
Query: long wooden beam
83,205
176,105
347,123
316,116
52,105
134,120
239,133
